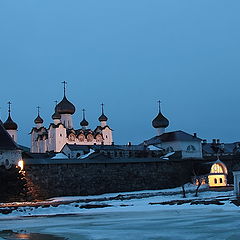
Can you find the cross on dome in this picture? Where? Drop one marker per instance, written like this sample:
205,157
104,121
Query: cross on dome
64,87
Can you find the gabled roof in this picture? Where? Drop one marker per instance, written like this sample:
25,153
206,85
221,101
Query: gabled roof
6,142
75,147
172,137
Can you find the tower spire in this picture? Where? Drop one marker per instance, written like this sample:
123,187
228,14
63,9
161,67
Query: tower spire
159,106
102,105
38,110
64,87
9,107
83,113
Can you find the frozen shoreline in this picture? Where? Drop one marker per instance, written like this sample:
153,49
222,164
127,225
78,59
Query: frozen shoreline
116,202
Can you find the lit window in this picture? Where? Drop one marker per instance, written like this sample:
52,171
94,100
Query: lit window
217,168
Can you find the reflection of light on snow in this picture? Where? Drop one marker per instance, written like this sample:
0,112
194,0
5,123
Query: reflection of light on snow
21,164
86,155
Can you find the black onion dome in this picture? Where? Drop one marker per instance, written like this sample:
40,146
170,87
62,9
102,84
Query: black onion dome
65,107
102,118
38,119
10,124
84,123
160,121
56,115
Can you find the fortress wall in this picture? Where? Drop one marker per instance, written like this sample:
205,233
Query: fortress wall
51,180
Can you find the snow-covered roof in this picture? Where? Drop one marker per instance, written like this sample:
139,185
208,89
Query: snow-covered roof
59,156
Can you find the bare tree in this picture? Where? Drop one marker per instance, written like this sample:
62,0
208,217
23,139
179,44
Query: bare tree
199,180
199,183
183,191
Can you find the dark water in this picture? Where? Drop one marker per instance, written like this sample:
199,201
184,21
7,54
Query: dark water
11,235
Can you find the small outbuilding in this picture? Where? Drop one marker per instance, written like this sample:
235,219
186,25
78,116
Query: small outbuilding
218,175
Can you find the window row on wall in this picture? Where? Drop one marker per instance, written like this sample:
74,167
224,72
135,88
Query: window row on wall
82,138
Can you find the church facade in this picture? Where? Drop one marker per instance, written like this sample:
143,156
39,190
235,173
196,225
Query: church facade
61,131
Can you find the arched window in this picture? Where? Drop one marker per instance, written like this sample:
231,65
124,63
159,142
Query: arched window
191,148
89,137
71,137
81,138
221,181
217,168
215,180
99,138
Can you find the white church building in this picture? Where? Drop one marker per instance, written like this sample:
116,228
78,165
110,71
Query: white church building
188,145
61,131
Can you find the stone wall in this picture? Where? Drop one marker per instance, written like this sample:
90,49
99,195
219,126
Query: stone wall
66,179
12,185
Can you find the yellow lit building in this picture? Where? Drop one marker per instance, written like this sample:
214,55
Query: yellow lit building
218,175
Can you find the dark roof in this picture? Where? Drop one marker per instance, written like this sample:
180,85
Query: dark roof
27,155
34,129
24,148
10,124
65,107
99,128
6,142
75,147
171,137
160,121
227,148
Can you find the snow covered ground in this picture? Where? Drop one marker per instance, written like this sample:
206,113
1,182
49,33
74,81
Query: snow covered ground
126,216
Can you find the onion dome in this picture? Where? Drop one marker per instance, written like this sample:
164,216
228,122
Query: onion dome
56,115
160,121
65,107
84,122
38,120
103,117
10,124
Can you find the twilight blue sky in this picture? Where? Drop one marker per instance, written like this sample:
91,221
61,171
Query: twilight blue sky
127,54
